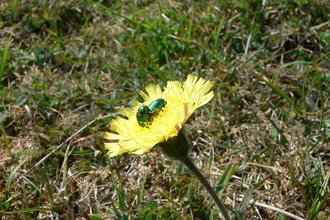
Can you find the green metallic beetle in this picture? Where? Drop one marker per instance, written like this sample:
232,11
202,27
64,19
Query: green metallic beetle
145,113
156,106
142,115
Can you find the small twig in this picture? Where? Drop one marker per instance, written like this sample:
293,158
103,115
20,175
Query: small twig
273,208
59,146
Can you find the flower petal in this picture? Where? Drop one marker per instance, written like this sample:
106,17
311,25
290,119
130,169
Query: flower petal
182,100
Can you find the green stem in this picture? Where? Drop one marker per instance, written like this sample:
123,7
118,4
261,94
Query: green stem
191,166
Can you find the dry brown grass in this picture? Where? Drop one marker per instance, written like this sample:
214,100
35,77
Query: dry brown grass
73,62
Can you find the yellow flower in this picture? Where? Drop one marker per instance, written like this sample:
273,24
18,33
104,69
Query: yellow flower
182,100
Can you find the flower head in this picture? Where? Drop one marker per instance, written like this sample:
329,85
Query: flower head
182,99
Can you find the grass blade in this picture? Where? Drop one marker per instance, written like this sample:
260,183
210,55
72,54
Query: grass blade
4,60
285,96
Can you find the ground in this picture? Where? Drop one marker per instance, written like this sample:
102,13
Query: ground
68,67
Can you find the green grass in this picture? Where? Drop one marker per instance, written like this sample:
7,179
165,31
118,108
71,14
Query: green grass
69,66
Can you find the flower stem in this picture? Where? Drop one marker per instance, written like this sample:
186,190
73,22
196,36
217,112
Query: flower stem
191,166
